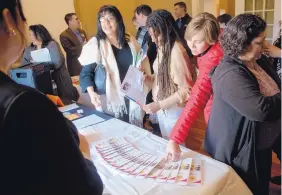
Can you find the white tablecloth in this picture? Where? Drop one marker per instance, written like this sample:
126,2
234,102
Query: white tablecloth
218,178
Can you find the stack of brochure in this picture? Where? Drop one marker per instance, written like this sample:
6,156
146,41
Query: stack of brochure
126,159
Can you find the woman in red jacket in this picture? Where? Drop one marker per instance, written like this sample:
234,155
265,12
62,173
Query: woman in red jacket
202,38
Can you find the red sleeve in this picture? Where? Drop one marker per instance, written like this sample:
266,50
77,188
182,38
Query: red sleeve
199,97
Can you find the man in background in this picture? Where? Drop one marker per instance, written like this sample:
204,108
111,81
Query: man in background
72,40
141,14
223,20
137,27
182,16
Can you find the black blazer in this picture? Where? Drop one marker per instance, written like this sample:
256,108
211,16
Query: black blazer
238,107
39,147
185,21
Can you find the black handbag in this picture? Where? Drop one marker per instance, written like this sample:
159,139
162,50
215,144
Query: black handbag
100,76
100,79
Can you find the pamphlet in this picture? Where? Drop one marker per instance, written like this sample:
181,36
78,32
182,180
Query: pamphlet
132,86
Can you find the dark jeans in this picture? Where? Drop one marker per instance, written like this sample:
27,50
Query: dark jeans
264,161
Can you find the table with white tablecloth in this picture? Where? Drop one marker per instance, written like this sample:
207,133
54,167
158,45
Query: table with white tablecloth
217,178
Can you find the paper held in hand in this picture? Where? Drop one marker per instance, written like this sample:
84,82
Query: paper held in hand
132,86
41,55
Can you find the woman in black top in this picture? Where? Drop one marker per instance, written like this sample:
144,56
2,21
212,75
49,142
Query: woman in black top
41,38
39,148
116,51
245,119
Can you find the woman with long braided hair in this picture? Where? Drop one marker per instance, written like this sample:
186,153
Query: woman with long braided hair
174,74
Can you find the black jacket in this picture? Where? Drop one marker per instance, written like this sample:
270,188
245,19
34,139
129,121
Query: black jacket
185,21
39,147
238,107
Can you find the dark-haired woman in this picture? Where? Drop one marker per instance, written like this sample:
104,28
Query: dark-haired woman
41,38
116,51
39,147
245,119
173,73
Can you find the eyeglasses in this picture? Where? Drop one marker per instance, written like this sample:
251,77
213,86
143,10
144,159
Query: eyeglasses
108,19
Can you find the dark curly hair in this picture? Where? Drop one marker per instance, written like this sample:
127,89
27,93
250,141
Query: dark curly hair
240,32
41,33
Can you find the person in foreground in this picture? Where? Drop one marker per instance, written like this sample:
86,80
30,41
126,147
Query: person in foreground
39,148
245,119
202,38
41,38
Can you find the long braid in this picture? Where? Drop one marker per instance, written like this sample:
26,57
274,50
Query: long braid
159,22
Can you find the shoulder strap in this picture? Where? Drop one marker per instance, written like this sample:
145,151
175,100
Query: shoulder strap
8,94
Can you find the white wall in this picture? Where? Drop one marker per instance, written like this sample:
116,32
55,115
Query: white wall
197,7
277,11
50,13
210,6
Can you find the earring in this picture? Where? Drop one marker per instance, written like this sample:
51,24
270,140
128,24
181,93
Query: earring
12,32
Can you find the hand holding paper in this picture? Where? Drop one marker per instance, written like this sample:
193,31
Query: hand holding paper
41,55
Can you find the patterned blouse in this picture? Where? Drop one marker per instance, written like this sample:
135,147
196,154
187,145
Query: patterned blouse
267,85
268,131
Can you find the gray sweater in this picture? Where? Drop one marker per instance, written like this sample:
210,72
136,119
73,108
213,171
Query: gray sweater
66,91
57,57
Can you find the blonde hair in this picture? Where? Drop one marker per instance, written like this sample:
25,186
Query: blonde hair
205,22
